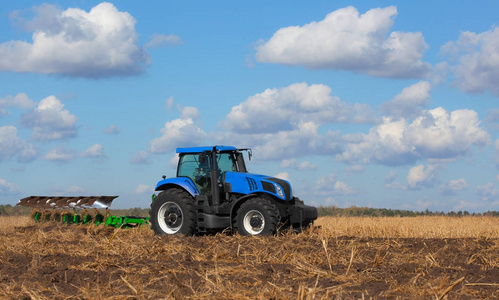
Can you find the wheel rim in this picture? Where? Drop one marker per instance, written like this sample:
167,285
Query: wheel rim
254,222
170,218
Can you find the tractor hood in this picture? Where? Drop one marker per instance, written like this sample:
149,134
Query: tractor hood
248,183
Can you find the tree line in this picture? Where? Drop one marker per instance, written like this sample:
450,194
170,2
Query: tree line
353,211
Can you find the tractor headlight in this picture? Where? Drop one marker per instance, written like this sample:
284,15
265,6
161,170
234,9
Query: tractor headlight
279,190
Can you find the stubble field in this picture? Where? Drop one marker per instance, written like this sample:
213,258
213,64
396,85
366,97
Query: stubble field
361,257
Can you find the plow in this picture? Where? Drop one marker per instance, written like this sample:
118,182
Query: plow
85,210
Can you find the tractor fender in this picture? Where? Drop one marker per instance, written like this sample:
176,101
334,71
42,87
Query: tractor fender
182,182
238,204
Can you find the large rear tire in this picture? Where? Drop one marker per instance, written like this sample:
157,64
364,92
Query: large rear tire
257,216
173,212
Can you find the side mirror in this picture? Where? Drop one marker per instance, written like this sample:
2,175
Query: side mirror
202,158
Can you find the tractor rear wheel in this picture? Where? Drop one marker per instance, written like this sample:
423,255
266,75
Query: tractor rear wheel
173,212
257,216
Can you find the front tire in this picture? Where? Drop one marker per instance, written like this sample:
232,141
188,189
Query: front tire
257,216
173,212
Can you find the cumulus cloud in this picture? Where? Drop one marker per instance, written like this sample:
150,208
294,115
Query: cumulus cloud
345,40
158,40
418,177
435,134
11,146
487,192
303,166
59,154
182,132
329,185
9,189
20,100
306,165
73,42
409,102
452,186
50,121
492,120
283,175
280,109
287,163
96,151
141,158
113,129
477,57
143,189
284,123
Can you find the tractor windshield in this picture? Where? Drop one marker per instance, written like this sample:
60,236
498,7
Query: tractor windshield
226,162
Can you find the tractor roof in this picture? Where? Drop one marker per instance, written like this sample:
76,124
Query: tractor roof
205,148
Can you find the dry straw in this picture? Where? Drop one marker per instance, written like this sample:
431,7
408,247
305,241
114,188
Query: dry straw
424,257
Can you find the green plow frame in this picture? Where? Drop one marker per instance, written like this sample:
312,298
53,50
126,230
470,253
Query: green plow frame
75,210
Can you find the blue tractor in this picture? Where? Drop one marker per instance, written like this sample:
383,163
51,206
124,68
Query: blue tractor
213,191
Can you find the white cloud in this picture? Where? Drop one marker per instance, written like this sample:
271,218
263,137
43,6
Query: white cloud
60,154
287,163
177,133
283,175
409,102
330,186
189,112
73,42
477,55
158,40
284,123
113,129
418,177
435,134
303,139
346,40
11,146
438,134
141,158
20,100
50,121
496,155
281,109
354,168
169,102
306,165
303,166
390,182
450,188
492,120
96,151
9,189
143,189
488,192
342,188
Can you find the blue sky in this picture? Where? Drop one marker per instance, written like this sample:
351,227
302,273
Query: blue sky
387,104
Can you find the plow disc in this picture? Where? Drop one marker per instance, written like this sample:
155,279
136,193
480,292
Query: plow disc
78,210
67,202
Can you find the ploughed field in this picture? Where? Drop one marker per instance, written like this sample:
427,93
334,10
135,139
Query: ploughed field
357,257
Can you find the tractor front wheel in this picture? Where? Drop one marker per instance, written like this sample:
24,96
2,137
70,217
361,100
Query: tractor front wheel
173,212
257,216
